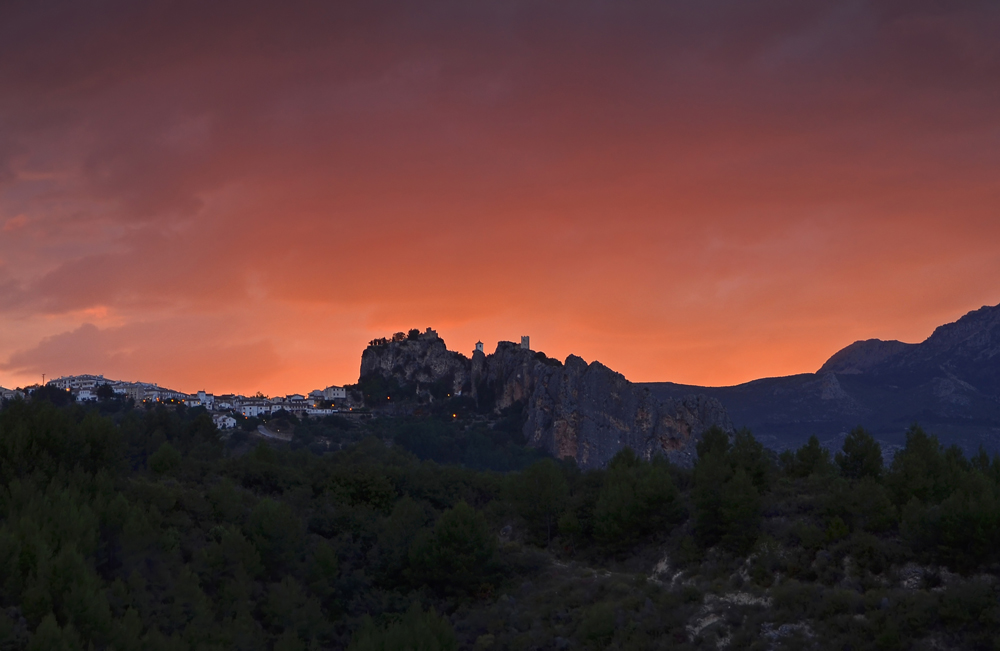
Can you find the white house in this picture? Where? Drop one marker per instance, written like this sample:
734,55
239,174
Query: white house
254,408
334,393
223,421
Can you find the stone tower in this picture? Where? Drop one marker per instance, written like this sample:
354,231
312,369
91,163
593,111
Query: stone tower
525,344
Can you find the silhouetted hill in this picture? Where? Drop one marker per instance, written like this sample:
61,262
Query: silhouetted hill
950,384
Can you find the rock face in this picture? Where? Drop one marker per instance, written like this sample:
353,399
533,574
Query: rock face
949,384
584,411
419,359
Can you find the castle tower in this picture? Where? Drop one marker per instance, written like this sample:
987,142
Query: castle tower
525,345
478,369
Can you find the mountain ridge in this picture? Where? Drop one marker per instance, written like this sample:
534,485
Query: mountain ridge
949,383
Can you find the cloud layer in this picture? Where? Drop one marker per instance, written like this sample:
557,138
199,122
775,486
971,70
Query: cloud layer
239,196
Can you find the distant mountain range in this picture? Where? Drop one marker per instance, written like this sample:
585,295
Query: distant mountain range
949,384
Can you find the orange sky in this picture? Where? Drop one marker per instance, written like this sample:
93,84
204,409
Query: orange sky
236,196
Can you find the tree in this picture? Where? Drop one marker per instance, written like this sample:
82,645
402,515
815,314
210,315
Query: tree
58,397
637,499
740,511
727,504
713,441
398,532
459,553
165,459
861,456
105,392
539,494
922,469
811,459
865,504
710,475
748,453
277,532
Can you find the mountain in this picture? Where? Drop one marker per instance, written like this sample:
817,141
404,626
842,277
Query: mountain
571,409
949,384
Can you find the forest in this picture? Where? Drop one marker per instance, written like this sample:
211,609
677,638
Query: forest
143,527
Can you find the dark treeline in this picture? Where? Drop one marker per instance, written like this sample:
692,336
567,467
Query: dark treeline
134,528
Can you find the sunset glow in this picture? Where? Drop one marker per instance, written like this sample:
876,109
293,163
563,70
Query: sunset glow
216,196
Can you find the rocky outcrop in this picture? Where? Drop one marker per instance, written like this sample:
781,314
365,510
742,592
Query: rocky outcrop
417,359
573,410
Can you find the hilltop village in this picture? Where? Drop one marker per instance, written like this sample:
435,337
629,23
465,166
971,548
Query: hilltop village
224,409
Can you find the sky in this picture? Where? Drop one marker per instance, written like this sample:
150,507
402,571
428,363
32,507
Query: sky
238,196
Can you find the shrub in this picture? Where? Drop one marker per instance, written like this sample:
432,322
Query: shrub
415,631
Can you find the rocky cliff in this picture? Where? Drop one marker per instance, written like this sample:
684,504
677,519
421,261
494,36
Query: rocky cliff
419,360
572,409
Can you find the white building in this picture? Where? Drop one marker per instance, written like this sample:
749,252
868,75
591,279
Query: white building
138,391
294,403
10,394
159,393
77,382
254,408
223,421
334,393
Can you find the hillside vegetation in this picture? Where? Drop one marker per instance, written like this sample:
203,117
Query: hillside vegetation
144,529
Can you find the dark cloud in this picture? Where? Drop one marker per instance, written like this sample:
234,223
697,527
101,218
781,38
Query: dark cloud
560,160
